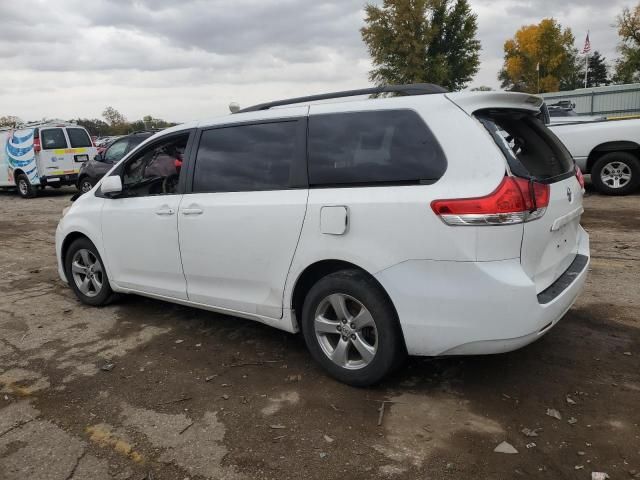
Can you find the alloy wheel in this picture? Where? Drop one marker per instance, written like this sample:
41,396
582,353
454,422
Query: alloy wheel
85,186
346,331
87,272
615,174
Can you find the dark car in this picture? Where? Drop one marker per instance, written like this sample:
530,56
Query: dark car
94,169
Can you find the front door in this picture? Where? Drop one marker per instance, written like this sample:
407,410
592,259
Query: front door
239,227
140,227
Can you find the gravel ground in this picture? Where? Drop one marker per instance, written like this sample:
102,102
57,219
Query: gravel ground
145,389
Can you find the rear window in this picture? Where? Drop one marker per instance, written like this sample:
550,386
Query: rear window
532,150
78,137
381,147
53,138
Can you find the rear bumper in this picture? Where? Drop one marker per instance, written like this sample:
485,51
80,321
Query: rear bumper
67,179
465,308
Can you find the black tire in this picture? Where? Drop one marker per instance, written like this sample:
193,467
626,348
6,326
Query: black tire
85,184
625,163
25,189
100,297
360,288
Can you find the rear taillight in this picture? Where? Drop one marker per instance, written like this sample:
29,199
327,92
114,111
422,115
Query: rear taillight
516,200
36,144
580,177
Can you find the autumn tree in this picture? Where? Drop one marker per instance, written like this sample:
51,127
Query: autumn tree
414,41
628,65
540,58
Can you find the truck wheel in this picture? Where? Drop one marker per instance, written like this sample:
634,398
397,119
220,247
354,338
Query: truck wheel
25,189
351,329
616,173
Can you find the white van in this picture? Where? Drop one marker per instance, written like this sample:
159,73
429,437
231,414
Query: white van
428,224
38,155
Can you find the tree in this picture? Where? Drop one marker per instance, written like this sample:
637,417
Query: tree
598,71
482,88
116,120
628,65
540,58
94,126
413,41
10,121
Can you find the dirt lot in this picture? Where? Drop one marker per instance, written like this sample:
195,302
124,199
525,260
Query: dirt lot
204,396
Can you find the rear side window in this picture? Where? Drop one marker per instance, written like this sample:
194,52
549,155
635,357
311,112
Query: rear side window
245,158
532,150
78,137
390,146
53,138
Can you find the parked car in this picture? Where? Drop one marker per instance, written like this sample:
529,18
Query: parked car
568,115
609,151
428,224
42,154
94,169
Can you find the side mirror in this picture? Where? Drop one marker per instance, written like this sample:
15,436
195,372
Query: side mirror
112,184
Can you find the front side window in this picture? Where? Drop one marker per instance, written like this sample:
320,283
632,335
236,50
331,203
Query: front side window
246,158
155,170
78,138
377,147
116,151
53,138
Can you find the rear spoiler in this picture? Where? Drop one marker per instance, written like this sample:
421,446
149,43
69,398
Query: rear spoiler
471,102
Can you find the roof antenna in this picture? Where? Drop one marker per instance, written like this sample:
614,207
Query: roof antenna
234,107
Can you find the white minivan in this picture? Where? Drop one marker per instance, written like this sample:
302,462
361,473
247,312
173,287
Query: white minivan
38,155
428,223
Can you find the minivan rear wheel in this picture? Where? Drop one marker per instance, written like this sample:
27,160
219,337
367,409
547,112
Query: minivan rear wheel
86,273
351,328
616,173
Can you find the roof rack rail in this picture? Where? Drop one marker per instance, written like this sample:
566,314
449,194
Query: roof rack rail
410,89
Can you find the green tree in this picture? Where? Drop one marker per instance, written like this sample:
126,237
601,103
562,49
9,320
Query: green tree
117,121
94,126
540,58
598,71
628,65
413,41
482,88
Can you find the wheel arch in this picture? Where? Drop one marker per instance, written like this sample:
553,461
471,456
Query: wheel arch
315,271
610,147
16,173
68,240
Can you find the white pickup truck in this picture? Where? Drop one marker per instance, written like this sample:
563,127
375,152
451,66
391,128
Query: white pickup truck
609,150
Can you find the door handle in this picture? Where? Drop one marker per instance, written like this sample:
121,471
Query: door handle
192,211
165,211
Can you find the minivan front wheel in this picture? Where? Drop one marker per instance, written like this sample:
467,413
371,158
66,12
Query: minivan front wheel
351,328
86,273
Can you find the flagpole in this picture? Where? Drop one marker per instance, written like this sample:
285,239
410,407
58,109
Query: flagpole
586,69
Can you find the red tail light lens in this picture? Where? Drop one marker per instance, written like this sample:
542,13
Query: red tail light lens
516,200
580,177
36,144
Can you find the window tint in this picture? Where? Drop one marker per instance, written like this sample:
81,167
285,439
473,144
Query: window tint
78,138
116,151
155,170
53,138
372,147
246,157
532,150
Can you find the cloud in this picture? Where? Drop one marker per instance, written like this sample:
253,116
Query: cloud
187,59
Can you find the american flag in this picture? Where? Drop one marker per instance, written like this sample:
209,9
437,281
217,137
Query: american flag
587,45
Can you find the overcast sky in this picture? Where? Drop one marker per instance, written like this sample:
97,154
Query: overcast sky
187,59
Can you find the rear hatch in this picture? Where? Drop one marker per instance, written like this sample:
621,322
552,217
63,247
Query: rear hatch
533,152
